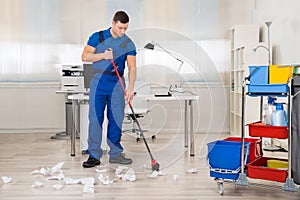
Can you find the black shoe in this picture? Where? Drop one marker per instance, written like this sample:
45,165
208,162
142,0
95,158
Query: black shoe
91,162
121,160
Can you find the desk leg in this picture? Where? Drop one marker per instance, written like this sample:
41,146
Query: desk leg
68,122
67,133
192,147
186,138
73,129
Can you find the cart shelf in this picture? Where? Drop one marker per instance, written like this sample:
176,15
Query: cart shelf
258,129
258,169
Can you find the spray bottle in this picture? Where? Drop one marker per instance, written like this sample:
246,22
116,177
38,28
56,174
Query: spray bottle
279,116
268,109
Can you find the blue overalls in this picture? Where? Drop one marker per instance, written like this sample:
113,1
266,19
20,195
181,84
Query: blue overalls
106,91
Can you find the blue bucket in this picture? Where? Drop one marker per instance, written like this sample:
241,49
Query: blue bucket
259,75
224,158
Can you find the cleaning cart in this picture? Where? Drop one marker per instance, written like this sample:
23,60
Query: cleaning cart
279,85
265,81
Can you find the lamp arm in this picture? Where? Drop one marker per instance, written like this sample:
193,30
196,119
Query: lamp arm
169,53
181,63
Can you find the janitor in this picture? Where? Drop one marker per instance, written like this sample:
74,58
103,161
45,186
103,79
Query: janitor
106,91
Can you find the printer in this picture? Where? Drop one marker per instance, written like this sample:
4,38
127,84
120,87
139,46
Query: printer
72,78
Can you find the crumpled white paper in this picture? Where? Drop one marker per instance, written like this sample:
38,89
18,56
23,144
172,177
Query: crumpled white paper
101,169
37,184
6,179
129,175
175,177
57,186
46,171
120,169
57,168
192,171
88,184
156,173
88,189
71,181
58,177
105,180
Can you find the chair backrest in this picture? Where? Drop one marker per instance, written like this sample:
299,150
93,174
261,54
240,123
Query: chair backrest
139,104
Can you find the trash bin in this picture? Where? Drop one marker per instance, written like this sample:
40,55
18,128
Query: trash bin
295,140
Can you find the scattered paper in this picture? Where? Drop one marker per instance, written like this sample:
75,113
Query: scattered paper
46,171
37,184
175,177
105,180
88,189
129,175
192,171
102,166
57,167
57,186
154,174
88,184
101,170
71,181
6,179
161,173
87,181
35,172
58,177
120,169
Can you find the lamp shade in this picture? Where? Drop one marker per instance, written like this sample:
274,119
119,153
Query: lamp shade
149,46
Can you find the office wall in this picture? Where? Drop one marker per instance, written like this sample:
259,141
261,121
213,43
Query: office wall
284,30
37,35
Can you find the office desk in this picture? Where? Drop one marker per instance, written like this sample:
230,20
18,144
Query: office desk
188,124
188,121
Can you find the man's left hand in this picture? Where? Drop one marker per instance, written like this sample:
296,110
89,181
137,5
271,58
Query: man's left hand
129,95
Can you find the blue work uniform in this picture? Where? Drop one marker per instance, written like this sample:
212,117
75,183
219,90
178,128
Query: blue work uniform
106,91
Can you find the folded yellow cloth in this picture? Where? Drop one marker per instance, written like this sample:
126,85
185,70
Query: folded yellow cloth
277,164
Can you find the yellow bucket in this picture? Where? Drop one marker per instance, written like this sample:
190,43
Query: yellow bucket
280,74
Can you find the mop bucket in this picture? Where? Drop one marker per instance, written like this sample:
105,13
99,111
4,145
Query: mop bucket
224,158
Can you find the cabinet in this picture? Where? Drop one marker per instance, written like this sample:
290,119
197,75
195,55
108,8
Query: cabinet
244,38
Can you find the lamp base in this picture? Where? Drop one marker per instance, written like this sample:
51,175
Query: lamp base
163,95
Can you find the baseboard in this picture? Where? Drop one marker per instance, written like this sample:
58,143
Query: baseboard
200,131
12,131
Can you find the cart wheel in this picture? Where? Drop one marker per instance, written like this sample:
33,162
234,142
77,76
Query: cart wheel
220,188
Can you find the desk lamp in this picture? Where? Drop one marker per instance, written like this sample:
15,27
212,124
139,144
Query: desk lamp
151,46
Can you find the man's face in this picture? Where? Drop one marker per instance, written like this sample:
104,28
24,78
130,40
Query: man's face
119,28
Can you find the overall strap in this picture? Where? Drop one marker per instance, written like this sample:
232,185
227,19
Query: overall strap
122,45
101,37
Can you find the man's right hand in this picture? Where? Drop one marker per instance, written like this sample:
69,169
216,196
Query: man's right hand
108,54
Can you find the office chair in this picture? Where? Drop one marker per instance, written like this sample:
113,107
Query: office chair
140,106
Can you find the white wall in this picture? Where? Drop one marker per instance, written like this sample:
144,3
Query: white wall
38,34
285,28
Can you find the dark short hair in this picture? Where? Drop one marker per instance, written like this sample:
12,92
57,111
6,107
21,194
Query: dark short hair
121,16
